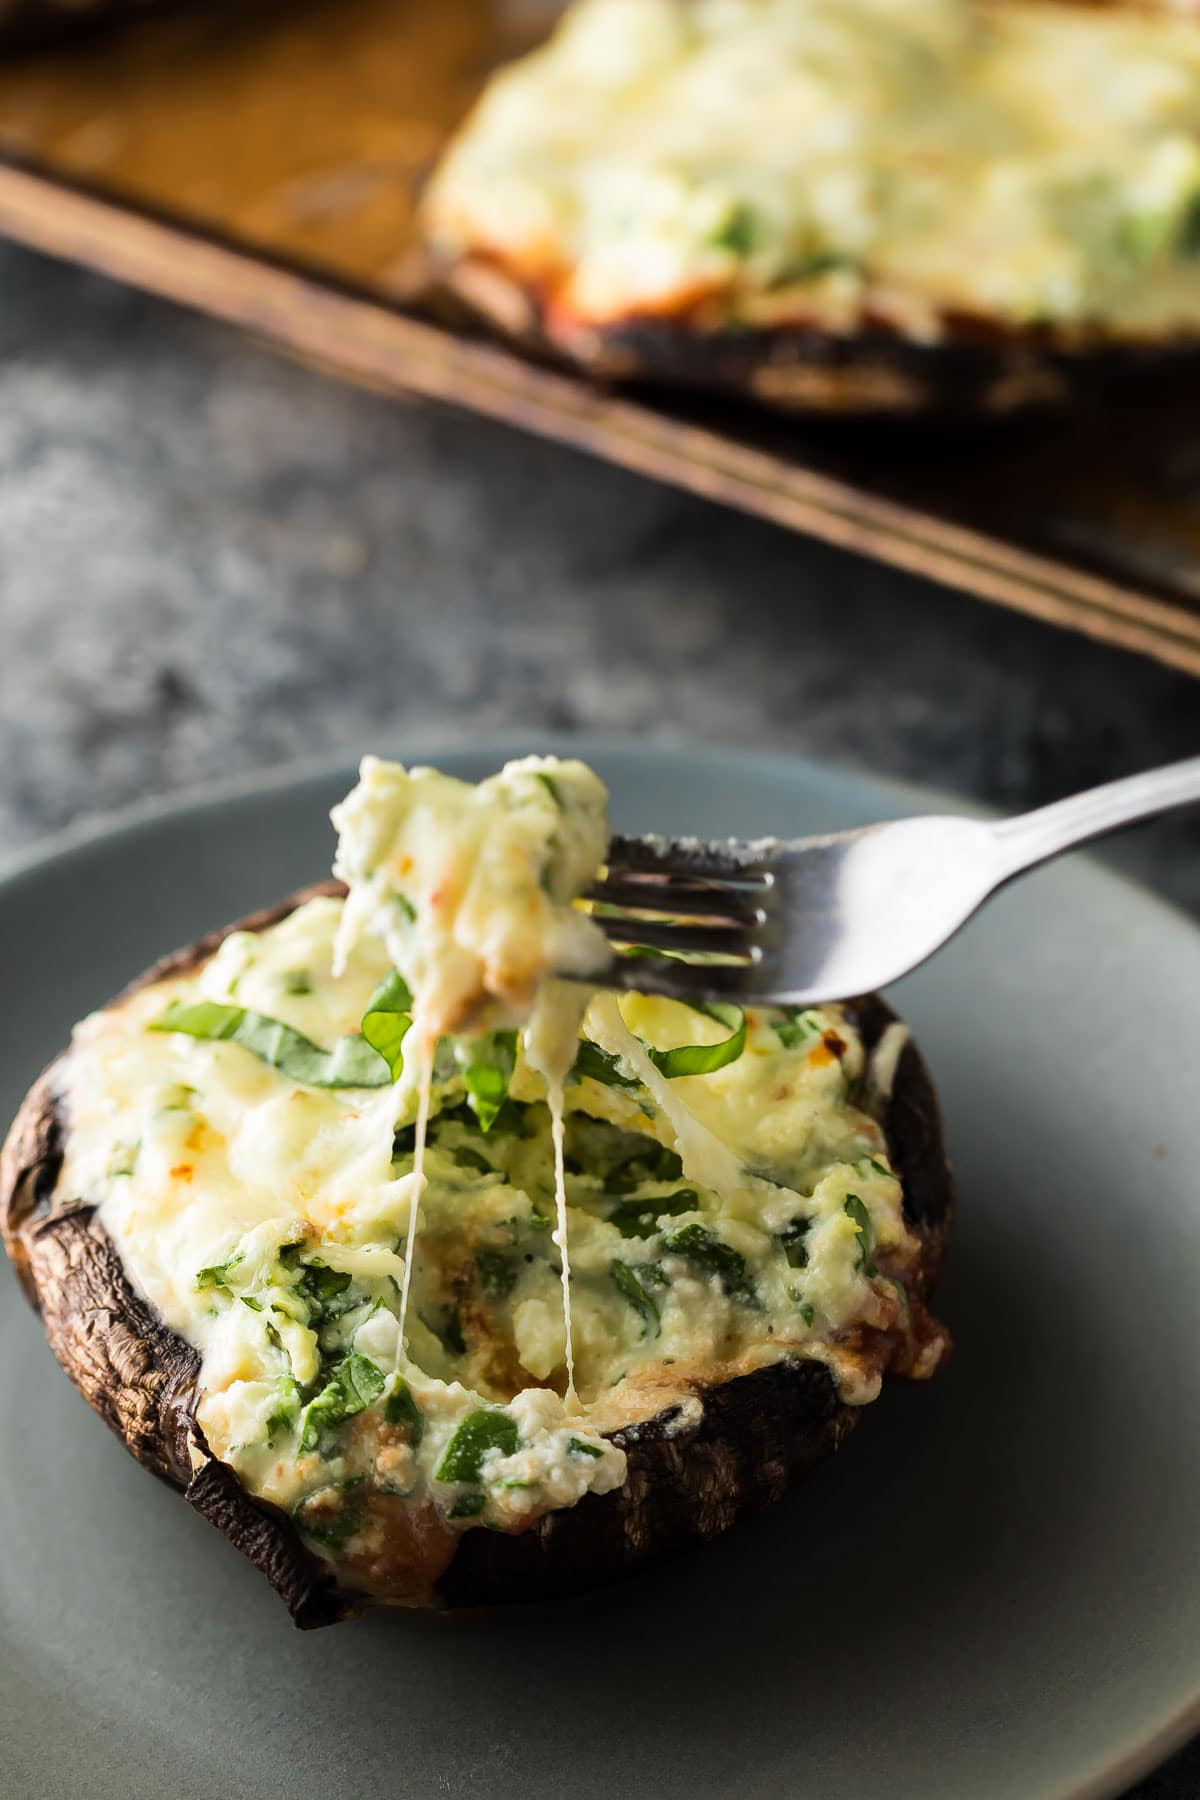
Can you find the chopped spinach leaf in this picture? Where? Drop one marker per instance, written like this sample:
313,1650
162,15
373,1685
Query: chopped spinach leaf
252,1303
217,1274
451,1333
808,268
296,981
351,1063
332,1515
401,1410
481,1431
324,1291
793,1240
580,1447
866,1237
467,1158
354,1384
702,1247
550,786
467,1506
620,1160
639,1218
737,232
287,1406
124,1159
497,1273
797,1027
629,1284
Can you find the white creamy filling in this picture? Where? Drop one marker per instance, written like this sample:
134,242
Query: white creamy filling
351,1321
471,890
778,158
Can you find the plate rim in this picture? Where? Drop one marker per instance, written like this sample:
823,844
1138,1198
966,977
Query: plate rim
1174,1730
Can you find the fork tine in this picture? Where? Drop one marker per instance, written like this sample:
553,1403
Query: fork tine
690,859
689,982
657,934
712,901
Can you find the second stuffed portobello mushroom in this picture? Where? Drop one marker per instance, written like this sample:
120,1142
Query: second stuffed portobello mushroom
957,205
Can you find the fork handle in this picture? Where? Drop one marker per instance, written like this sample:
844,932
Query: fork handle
1033,837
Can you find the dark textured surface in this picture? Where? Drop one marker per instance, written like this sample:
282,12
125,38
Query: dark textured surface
211,561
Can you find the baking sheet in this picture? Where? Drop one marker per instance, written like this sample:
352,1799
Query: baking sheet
264,164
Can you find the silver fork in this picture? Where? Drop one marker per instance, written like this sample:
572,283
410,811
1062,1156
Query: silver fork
799,921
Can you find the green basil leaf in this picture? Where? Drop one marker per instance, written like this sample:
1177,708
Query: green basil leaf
387,1019
600,1065
639,1218
351,1063
702,1059
702,1247
481,1431
866,1237
630,1286
487,1065
401,1410
354,1384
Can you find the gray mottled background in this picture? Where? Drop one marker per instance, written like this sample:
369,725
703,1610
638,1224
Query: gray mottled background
212,561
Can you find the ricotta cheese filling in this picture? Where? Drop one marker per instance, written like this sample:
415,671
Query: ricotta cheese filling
471,891
838,162
251,1133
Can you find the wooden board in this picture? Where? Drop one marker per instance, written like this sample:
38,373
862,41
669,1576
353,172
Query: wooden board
263,165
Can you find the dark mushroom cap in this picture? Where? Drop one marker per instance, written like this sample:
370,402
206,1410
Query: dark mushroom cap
977,368
691,1473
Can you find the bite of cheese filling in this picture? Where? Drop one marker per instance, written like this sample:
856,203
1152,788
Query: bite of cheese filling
723,1197
839,162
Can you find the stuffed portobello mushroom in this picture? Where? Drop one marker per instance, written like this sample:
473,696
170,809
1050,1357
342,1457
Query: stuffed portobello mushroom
432,1278
839,204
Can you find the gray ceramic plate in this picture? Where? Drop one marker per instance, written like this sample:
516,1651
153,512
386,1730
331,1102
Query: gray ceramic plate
993,1591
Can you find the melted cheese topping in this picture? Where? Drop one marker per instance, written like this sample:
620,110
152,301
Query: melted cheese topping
471,890
392,1389
837,161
